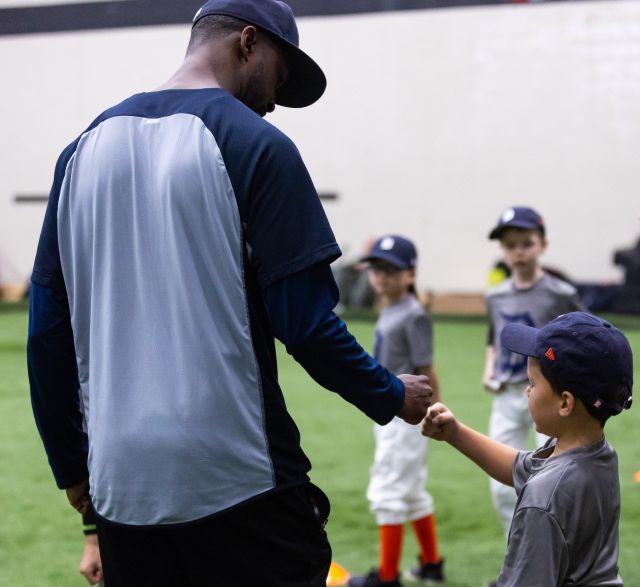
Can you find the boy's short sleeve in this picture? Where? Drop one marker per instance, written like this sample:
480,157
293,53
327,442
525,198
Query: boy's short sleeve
537,554
521,469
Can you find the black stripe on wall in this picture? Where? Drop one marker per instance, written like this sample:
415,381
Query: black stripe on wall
30,198
132,13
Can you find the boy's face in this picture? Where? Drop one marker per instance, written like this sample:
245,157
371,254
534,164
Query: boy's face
521,248
544,403
388,281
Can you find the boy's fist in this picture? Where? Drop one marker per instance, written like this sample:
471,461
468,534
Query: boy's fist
439,423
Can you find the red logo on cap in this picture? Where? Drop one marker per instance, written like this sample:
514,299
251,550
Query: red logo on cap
549,354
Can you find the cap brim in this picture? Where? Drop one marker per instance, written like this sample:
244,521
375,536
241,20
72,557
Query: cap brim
520,338
498,230
389,258
305,83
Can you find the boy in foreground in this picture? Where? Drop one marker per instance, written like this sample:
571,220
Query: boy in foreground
565,526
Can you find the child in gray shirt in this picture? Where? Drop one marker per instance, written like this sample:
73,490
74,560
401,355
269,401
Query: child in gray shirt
565,526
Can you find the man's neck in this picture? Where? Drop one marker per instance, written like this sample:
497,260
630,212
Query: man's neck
189,79
197,71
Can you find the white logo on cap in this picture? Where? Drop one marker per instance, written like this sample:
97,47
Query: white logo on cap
508,215
198,13
387,243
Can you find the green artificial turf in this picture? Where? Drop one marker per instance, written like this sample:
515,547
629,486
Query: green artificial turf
40,538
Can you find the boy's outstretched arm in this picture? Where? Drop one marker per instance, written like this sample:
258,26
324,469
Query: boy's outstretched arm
495,458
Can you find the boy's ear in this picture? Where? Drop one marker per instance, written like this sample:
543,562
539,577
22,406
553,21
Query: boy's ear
567,404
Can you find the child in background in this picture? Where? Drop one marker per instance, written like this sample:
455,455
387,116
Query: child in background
397,494
531,297
565,526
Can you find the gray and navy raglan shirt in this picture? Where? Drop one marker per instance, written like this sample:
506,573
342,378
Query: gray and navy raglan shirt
404,336
183,233
534,306
565,525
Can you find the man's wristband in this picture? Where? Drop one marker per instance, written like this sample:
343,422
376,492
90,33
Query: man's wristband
89,522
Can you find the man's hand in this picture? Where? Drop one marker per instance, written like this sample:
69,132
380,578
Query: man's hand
91,565
417,398
78,496
440,423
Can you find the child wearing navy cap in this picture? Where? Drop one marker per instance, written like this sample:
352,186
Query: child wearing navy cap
529,296
396,492
565,525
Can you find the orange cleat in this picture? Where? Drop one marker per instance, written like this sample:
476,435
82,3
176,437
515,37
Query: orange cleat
338,575
636,477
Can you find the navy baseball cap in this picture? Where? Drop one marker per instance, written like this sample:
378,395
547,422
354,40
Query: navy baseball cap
306,82
584,354
394,249
518,217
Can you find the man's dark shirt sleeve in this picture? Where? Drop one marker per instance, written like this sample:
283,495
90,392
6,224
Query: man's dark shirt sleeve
290,245
300,309
51,357
53,378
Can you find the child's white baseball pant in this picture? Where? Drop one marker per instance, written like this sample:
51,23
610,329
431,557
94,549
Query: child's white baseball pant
396,489
510,424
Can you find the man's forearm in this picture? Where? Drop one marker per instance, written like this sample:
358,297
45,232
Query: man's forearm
335,360
300,309
53,379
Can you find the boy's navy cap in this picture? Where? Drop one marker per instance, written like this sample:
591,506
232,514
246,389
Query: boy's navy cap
394,249
305,81
585,355
518,217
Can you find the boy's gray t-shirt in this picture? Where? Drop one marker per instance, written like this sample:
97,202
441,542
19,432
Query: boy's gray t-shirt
403,336
534,306
565,525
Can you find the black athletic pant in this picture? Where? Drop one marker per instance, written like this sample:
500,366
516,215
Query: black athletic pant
274,541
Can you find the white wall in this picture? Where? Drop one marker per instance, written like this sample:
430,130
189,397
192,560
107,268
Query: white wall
432,123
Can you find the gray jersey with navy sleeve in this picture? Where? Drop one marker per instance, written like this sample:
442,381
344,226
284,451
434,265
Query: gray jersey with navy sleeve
164,226
403,336
565,526
534,306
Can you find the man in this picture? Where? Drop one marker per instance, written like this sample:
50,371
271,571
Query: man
182,234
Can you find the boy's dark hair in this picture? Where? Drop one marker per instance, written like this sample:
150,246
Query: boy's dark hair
212,27
602,414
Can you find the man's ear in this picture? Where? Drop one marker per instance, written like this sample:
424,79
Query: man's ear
567,404
248,39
